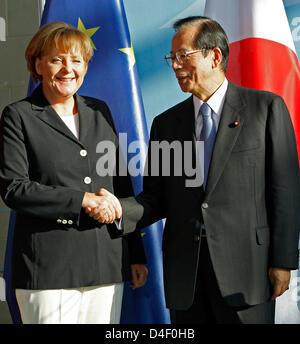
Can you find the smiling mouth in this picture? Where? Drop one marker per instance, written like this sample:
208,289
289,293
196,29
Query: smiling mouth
65,79
181,77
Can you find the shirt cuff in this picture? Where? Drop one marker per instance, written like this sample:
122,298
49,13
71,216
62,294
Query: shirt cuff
119,224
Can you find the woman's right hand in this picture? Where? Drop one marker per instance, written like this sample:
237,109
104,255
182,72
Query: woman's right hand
103,207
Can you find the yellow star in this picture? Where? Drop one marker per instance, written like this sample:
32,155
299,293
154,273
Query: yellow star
89,32
130,53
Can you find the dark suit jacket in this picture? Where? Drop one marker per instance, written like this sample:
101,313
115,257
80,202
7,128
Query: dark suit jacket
42,176
250,208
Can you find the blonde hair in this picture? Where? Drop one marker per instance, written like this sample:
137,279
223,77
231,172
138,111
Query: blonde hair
60,35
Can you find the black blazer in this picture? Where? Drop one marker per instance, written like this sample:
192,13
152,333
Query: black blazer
250,208
43,178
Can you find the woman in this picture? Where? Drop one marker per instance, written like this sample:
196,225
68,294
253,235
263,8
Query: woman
66,267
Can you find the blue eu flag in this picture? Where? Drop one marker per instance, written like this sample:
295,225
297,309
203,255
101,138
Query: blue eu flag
112,77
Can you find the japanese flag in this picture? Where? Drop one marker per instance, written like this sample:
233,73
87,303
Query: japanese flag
262,52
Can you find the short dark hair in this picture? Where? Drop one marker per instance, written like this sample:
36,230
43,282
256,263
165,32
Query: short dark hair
210,35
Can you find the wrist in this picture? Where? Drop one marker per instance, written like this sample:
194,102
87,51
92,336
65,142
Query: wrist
87,198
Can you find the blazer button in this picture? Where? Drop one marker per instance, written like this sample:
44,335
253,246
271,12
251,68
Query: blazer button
64,222
70,222
83,152
58,220
204,205
87,180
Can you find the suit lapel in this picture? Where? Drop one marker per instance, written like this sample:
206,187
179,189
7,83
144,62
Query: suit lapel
185,126
185,120
228,132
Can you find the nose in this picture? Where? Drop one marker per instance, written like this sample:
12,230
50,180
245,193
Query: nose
68,65
176,65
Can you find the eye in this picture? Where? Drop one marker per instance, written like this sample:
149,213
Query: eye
76,59
56,60
183,56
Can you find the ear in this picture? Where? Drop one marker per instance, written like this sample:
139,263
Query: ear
38,66
86,69
217,57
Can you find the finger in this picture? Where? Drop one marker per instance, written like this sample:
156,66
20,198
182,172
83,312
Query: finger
107,216
113,200
92,214
142,279
110,218
140,283
99,214
284,288
110,211
92,211
139,277
277,291
134,285
117,207
134,282
101,217
118,210
105,211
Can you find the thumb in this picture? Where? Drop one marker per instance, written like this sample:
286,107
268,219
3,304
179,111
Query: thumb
103,192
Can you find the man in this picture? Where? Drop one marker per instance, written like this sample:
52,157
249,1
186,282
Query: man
229,244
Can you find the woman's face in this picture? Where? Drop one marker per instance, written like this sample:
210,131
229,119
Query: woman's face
62,73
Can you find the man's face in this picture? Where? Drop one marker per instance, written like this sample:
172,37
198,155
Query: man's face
194,73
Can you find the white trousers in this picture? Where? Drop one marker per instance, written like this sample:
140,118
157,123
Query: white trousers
89,305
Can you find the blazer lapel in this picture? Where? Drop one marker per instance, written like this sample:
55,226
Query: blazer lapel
85,117
227,134
47,114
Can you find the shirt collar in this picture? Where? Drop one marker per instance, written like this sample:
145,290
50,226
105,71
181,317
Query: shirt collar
216,101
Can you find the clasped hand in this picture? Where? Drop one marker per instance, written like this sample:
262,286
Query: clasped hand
103,207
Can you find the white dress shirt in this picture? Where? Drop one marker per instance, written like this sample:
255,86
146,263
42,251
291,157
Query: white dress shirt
72,122
216,102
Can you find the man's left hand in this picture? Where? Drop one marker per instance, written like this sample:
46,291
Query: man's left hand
139,275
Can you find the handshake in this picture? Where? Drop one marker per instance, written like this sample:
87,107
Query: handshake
103,207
